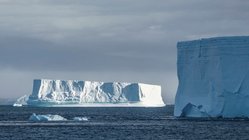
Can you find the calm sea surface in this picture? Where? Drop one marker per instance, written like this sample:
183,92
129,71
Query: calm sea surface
115,123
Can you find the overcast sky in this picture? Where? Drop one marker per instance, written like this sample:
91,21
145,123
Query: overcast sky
106,40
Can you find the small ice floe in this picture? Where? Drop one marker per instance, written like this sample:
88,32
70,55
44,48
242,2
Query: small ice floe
17,105
21,101
47,117
80,119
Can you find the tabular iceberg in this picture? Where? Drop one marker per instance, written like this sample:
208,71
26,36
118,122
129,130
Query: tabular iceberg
59,93
213,77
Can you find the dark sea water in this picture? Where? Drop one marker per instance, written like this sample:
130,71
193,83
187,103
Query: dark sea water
116,123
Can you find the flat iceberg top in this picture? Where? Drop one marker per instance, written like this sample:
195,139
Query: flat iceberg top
213,77
215,41
76,93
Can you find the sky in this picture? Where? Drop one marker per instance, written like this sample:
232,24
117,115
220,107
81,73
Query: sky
106,40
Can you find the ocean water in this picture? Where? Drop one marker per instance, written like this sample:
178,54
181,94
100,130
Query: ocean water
116,123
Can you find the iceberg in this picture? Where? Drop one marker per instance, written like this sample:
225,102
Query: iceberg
75,93
47,117
213,77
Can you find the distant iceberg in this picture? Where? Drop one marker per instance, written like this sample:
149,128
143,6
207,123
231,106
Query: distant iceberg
47,117
74,93
213,77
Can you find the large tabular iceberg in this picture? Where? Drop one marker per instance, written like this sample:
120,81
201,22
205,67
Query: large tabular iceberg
86,93
213,77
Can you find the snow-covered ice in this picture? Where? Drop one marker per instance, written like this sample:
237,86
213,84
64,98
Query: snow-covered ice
87,93
213,77
47,117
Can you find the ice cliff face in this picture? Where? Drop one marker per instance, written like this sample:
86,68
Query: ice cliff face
213,77
73,92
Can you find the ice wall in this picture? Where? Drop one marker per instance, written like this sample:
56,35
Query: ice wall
213,77
73,92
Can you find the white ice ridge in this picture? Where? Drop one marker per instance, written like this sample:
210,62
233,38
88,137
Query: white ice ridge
213,77
87,93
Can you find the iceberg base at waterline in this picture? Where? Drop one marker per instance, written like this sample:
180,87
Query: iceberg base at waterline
75,93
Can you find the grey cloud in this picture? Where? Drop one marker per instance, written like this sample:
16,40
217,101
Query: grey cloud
31,54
